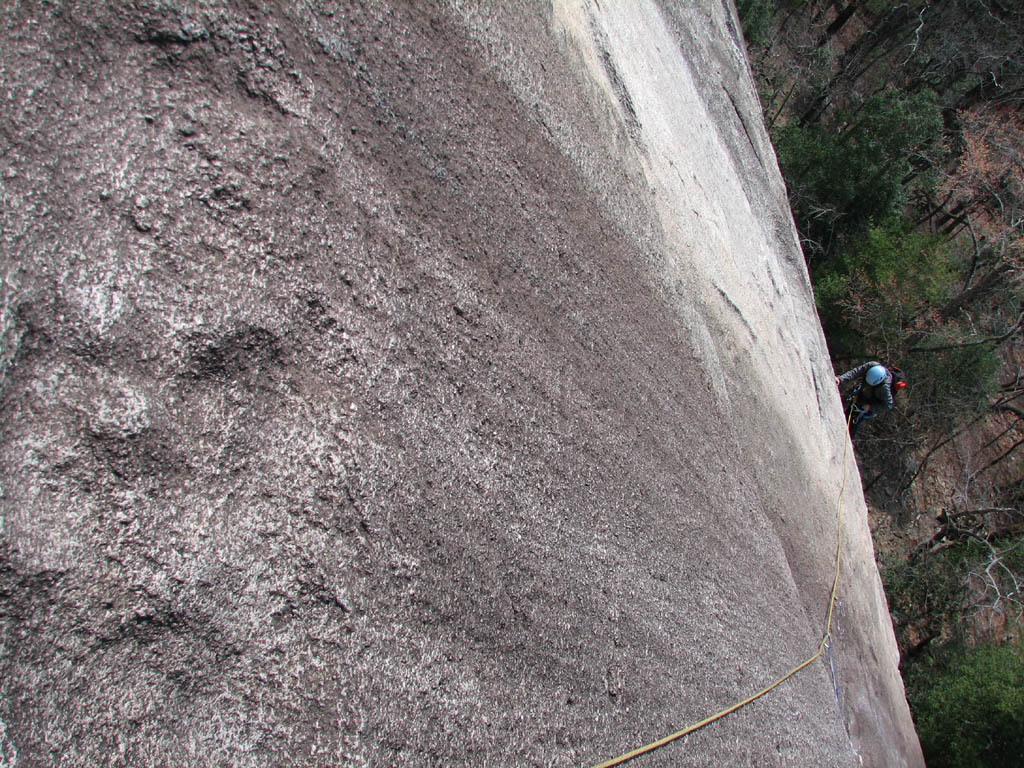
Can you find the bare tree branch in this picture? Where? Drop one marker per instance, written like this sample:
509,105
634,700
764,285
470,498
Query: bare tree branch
987,340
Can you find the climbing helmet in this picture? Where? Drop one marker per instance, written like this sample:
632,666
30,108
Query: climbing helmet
875,375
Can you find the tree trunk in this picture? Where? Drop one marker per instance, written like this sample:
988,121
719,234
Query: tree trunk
839,22
886,28
989,282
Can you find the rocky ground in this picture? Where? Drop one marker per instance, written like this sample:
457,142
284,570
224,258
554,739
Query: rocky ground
399,384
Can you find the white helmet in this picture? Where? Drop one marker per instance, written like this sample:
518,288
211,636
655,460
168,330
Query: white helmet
876,375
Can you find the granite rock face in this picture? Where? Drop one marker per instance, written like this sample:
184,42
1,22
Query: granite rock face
399,384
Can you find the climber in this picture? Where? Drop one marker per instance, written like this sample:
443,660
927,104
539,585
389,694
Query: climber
873,394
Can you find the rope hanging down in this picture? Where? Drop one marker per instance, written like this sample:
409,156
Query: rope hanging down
825,641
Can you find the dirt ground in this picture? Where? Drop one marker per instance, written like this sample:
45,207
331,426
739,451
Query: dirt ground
414,384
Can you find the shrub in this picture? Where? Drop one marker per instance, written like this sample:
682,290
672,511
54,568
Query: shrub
969,707
756,18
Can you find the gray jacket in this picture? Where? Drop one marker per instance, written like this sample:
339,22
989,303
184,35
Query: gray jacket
880,395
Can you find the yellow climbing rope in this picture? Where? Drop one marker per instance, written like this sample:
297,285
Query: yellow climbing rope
826,637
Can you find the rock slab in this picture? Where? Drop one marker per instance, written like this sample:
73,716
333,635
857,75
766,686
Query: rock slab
397,384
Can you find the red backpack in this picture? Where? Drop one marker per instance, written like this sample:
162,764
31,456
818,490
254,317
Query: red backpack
899,379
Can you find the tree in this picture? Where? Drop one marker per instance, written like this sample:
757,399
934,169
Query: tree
755,18
968,708
968,51
880,288
849,173
985,191
887,26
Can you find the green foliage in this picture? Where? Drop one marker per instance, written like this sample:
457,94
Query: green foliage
968,704
953,379
756,18
969,707
879,285
926,593
916,262
1014,554
849,173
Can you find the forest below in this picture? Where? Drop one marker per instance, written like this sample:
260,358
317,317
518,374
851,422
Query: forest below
899,130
